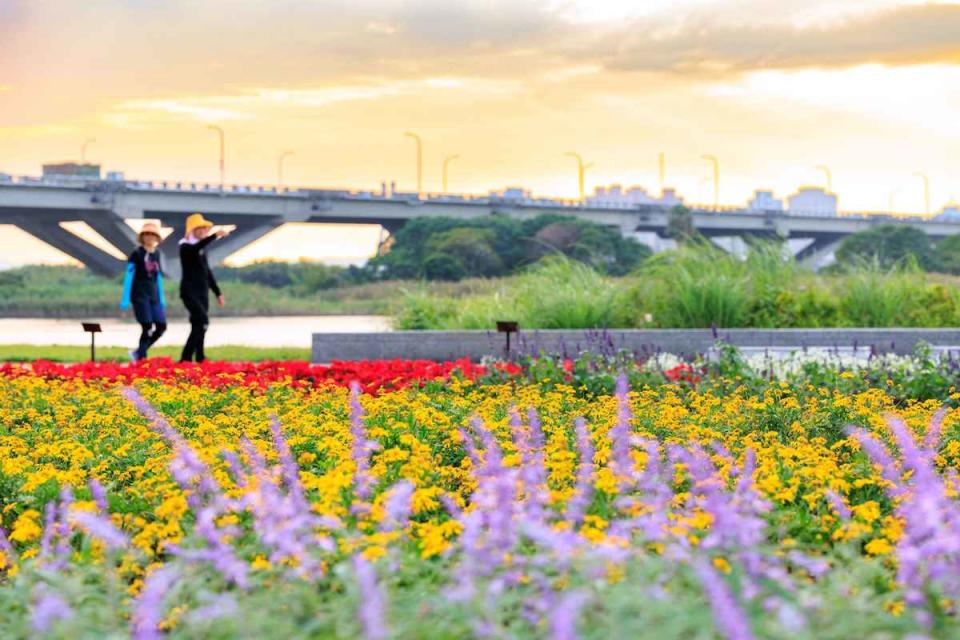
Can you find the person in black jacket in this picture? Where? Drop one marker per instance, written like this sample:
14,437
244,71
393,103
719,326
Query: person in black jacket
143,289
195,283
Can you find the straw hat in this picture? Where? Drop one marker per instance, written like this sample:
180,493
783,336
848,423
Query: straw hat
149,228
196,221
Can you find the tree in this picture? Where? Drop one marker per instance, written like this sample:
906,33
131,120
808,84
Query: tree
680,225
889,245
472,247
498,245
443,266
946,255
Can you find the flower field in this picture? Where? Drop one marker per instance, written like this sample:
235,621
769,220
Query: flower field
593,498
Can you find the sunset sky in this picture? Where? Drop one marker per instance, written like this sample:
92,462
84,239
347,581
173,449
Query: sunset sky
773,88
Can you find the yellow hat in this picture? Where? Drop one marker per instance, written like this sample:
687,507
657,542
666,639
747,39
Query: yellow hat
151,228
196,221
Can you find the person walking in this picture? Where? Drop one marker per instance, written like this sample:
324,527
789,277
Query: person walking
196,282
143,289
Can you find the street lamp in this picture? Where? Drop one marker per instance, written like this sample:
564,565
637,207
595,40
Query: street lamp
419,142
446,166
220,133
581,169
828,174
926,191
280,159
716,179
83,149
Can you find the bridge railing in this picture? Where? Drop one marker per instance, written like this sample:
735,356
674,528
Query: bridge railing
193,187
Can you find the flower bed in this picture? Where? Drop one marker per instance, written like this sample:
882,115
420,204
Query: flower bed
523,508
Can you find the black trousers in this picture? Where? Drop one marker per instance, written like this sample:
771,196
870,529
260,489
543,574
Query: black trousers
149,334
198,307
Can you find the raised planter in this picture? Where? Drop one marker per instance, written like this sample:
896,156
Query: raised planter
448,345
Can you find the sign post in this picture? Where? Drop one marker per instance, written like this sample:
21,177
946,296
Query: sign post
507,327
93,328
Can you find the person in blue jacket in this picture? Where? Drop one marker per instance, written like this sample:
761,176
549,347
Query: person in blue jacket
143,288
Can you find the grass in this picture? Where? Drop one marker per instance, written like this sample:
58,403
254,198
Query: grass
556,293
65,353
697,286
70,292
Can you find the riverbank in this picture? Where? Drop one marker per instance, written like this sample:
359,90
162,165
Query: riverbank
70,292
259,331
75,353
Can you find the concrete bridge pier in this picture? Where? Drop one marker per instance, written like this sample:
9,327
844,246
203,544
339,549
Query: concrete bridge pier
820,253
44,224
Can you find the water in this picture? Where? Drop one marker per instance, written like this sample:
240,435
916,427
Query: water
272,331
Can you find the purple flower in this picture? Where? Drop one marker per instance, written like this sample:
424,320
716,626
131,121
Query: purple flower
397,506
729,616
99,494
563,617
149,606
371,611
621,432
48,608
837,504
101,528
583,492
362,447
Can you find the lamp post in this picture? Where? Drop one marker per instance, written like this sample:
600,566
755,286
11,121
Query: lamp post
827,174
220,133
419,142
926,191
446,167
581,170
716,179
283,156
83,149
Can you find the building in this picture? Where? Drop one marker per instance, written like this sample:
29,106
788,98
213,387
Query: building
83,171
813,201
512,194
950,213
764,201
616,196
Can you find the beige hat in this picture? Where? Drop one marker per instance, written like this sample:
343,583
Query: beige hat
152,228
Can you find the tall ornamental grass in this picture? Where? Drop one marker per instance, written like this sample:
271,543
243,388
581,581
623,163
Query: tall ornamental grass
697,286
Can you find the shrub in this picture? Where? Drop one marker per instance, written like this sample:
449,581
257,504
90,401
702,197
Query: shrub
888,245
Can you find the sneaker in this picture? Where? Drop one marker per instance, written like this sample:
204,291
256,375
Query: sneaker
134,355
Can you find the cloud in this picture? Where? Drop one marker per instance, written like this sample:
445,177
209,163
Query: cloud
248,104
707,44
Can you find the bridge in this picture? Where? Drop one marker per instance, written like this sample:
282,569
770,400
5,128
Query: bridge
40,205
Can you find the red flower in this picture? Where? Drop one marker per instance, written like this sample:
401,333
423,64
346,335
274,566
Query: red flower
373,375
683,373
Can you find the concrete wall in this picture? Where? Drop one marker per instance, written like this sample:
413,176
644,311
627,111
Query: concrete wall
447,345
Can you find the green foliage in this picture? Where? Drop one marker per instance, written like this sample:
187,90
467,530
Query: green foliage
696,286
889,245
946,255
699,286
680,224
555,293
302,278
448,249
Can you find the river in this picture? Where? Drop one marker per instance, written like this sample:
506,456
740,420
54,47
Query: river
265,331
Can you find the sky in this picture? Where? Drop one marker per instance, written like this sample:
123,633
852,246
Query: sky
773,88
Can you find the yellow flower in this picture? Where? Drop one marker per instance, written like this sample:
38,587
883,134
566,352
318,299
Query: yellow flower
27,527
878,547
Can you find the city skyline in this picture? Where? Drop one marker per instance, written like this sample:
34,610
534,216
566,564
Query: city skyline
771,88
